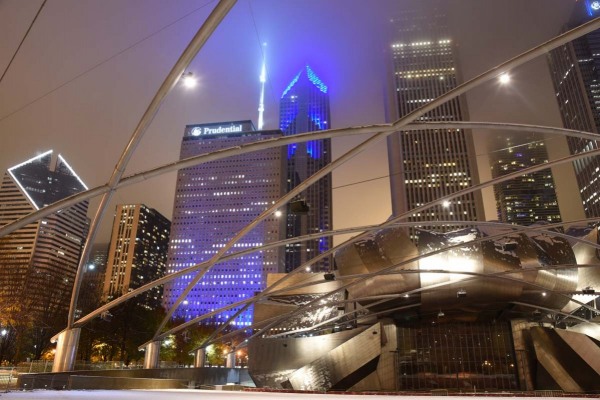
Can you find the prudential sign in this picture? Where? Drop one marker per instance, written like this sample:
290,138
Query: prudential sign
215,130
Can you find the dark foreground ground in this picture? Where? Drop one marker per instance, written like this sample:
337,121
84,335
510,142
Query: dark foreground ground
208,395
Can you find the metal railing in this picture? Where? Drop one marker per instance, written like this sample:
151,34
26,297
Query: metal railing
8,378
42,366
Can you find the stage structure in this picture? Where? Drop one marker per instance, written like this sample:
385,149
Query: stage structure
496,314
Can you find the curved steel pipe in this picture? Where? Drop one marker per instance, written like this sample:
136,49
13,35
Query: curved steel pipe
270,210
269,291
390,268
386,224
586,28
205,31
453,93
389,271
282,141
369,313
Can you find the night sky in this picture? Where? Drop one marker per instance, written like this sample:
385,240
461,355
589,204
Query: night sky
89,68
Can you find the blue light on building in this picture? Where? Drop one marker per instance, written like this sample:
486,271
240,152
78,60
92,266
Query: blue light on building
214,201
315,79
592,7
291,85
304,107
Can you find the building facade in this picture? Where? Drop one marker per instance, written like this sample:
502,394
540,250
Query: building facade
137,253
38,262
213,202
426,165
575,70
529,198
92,284
304,107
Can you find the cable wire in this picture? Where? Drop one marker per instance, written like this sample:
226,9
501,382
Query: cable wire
104,61
22,40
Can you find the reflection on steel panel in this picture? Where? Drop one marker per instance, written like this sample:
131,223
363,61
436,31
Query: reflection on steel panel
273,360
342,367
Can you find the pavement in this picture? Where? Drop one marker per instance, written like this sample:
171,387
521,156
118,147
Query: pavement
204,395
177,394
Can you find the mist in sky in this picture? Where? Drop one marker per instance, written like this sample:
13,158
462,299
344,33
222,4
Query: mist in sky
88,69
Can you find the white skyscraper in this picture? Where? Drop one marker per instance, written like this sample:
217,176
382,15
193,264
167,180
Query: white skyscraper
426,165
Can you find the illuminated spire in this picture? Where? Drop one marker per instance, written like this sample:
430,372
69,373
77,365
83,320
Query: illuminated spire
263,79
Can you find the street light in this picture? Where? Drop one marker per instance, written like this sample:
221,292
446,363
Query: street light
504,78
3,334
188,80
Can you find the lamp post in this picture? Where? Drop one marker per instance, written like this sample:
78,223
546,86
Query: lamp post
3,334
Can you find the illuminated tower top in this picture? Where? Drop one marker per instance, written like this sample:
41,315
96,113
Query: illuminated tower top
263,80
304,105
45,181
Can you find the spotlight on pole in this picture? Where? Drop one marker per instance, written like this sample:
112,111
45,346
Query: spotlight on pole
504,78
588,290
188,80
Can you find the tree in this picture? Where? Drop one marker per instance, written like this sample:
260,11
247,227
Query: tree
119,336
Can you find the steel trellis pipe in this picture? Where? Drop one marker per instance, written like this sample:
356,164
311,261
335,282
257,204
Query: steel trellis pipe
518,60
270,143
386,224
390,268
269,290
205,31
586,28
363,277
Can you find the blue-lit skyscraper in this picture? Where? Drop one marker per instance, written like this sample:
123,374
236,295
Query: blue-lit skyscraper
213,202
304,107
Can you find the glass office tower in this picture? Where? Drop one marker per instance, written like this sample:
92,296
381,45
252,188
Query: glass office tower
529,198
137,254
575,70
213,202
38,262
426,165
304,107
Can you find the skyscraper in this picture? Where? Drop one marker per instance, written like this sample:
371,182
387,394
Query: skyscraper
137,254
38,262
529,198
92,283
213,202
304,107
425,165
575,70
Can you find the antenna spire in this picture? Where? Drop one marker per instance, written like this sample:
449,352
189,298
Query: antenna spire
263,79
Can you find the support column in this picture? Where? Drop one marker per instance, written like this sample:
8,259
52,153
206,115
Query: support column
200,357
66,350
151,356
231,360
